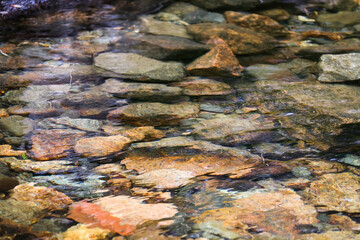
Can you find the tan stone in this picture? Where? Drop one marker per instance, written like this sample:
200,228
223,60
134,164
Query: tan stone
101,146
81,232
3,113
195,86
6,151
219,61
344,222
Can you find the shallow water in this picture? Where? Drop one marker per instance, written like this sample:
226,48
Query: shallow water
271,153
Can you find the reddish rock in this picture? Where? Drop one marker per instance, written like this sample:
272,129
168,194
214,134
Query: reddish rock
53,144
154,114
256,22
45,198
241,40
219,61
195,86
101,146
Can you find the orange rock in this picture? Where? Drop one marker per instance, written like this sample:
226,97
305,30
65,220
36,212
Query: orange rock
53,144
147,133
5,151
256,22
3,113
219,61
81,232
101,146
43,197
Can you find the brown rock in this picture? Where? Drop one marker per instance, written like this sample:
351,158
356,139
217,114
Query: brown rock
3,113
147,133
297,183
277,14
241,40
330,235
81,232
38,112
256,22
45,198
219,61
344,222
7,183
5,151
335,192
154,114
101,146
53,144
195,86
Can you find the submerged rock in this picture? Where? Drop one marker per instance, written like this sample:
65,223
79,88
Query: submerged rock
7,183
6,151
219,61
241,40
16,125
154,114
229,4
195,86
335,192
340,68
338,20
139,68
81,232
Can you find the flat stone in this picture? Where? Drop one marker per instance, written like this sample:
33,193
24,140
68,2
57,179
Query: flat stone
335,192
277,14
152,26
154,114
83,124
81,232
3,113
21,212
257,23
7,183
219,61
6,151
331,235
101,146
46,167
164,178
139,68
195,86
241,40
34,112
142,91
339,68
351,160
53,144
16,125
144,134
162,47
338,20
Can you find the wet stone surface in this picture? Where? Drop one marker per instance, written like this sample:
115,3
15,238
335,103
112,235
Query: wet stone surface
229,119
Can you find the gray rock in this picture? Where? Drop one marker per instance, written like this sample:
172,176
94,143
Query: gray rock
92,125
149,91
137,67
152,26
301,172
351,160
162,47
193,14
340,68
16,125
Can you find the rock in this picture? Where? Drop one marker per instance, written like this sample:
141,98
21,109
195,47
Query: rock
257,23
341,5
338,20
139,68
162,47
164,178
234,129
344,222
331,235
345,46
193,14
351,160
339,68
215,229
144,134
152,26
81,232
16,125
154,114
44,198
53,144
142,91
276,212
101,146
5,151
7,183
241,40
297,183
335,192
34,112
301,172
3,113
120,214
91,125
277,14
21,212
220,61
48,167
195,86
229,4
197,157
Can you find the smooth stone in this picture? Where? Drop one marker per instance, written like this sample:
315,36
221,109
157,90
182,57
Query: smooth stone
162,47
339,68
351,160
219,61
241,40
193,14
7,183
140,68
21,212
338,20
154,114
152,26
91,125
195,86
16,125
81,232
142,91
